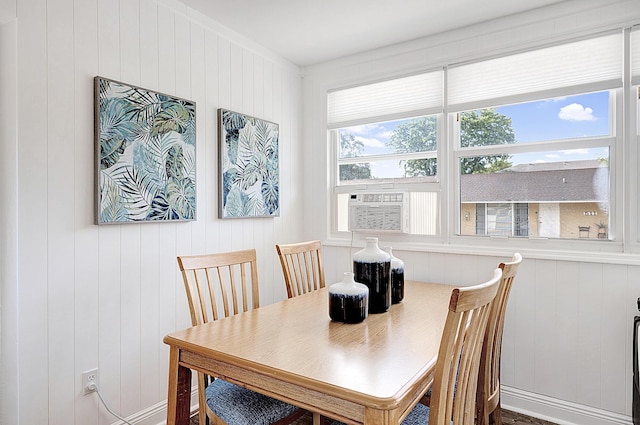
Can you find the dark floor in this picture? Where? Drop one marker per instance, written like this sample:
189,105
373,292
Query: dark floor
516,418
508,418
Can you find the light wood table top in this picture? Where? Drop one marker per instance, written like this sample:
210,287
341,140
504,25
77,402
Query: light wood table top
372,372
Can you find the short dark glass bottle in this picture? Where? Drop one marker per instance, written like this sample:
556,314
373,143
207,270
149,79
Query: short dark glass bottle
348,300
397,277
372,266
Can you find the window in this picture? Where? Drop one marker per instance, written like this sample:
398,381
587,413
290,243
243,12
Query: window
534,134
506,219
385,135
401,150
554,187
524,145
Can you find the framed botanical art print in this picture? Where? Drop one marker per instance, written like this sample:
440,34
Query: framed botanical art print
145,155
249,168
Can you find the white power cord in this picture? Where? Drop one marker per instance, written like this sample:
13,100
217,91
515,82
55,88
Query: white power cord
351,252
93,387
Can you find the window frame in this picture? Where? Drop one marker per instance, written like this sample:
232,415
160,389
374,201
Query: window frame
613,142
448,154
430,184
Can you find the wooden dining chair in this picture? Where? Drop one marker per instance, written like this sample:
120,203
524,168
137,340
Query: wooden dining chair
488,399
303,272
302,267
218,286
453,393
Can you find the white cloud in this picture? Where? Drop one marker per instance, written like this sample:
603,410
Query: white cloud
576,112
363,129
370,142
552,156
569,152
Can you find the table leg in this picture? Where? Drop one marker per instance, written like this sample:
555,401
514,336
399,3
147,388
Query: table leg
380,417
179,397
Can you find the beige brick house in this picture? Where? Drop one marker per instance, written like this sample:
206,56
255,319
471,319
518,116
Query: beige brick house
556,200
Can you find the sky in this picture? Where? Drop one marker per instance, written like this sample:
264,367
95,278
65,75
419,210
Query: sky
562,118
584,115
578,116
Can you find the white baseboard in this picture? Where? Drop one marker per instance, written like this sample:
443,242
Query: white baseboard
558,411
158,412
539,406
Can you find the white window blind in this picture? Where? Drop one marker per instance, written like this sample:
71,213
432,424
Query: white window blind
635,56
396,98
589,64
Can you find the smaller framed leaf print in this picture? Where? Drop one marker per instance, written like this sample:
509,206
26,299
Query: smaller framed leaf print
249,168
145,155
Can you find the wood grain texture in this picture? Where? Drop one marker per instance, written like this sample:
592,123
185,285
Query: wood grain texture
292,351
488,395
218,286
453,394
508,418
302,266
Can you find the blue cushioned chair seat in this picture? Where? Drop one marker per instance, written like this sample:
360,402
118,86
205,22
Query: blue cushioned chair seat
239,406
419,415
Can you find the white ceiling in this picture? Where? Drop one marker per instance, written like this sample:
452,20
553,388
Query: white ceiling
308,32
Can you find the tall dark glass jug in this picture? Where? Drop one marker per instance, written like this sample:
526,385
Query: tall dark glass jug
372,266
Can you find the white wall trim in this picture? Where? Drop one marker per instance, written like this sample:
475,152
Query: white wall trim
538,406
158,412
558,411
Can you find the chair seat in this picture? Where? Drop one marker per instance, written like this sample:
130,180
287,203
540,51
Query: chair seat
419,415
239,406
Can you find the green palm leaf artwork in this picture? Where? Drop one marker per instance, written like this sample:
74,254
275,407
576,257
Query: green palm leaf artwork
249,167
145,155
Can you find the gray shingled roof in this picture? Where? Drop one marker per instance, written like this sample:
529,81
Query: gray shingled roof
559,185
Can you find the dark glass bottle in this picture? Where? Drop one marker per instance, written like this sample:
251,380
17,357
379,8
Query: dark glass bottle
372,266
397,277
348,300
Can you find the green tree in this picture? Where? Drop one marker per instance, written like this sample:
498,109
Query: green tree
350,147
483,128
416,135
477,128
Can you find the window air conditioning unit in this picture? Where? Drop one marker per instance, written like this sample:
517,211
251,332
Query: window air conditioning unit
379,212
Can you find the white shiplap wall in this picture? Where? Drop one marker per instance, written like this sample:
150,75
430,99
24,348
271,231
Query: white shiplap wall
567,341
567,344
81,296
77,296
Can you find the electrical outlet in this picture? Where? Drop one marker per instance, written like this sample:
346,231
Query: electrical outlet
89,377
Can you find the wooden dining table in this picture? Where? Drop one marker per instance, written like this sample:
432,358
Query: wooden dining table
369,373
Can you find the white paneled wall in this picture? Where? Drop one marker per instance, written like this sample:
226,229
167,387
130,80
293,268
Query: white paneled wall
567,342
8,213
567,338
81,296
77,296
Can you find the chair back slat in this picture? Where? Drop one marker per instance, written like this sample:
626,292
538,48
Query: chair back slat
488,397
453,396
224,283
212,299
212,288
302,267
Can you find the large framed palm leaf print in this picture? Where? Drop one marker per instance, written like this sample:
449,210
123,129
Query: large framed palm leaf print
145,155
249,169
